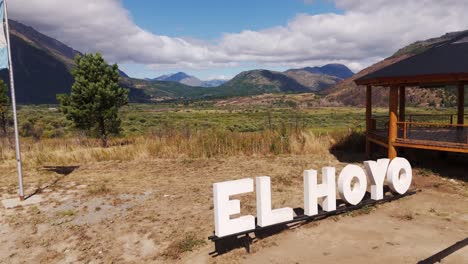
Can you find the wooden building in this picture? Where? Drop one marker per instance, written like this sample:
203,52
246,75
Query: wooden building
444,66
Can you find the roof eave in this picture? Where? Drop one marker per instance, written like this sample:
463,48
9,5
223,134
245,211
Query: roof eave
414,80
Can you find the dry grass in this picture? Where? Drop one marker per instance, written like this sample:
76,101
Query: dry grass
405,216
189,243
172,144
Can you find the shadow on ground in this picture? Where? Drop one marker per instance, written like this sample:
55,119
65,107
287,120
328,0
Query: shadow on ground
350,149
61,170
244,240
445,164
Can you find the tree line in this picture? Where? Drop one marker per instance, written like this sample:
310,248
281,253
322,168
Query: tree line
93,103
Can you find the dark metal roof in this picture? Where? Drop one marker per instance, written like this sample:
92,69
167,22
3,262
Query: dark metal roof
447,59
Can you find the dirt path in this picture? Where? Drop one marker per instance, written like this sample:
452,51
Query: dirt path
160,211
404,231
401,232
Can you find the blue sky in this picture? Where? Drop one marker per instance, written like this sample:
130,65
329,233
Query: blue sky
208,20
212,38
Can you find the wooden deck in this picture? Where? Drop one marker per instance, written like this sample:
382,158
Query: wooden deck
452,139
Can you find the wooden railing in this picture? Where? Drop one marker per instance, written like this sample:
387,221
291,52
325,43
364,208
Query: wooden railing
433,132
450,117
381,122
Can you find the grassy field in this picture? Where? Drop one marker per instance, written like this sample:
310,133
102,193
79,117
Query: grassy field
141,119
197,130
148,197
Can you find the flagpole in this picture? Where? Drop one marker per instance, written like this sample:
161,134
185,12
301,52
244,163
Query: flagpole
13,102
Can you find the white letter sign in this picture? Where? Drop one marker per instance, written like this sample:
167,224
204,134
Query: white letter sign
376,173
399,175
224,208
265,215
312,191
352,194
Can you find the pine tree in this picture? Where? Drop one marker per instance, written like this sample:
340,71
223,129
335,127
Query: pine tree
4,106
95,98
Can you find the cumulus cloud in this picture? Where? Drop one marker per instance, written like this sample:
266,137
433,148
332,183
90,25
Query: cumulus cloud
365,32
105,26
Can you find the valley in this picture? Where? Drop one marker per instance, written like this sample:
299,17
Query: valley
209,131
332,83
148,197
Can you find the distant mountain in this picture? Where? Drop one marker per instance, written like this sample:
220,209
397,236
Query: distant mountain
337,70
176,77
42,65
154,90
348,93
213,83
260,82
248,83
265,81
313,81
180,77
183,78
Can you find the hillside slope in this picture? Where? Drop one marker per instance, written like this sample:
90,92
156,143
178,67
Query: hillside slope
39,75
264,81
313,81
42,65
337,70
348,93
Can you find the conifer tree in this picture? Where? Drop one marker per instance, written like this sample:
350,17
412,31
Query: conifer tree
95,98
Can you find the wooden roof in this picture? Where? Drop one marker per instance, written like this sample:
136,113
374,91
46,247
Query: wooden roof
443,64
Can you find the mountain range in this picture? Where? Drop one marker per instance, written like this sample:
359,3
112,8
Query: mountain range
246,83
314,78
255,82
43,69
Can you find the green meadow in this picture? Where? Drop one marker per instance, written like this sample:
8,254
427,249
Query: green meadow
140,119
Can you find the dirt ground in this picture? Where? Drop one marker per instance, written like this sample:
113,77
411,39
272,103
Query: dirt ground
160,211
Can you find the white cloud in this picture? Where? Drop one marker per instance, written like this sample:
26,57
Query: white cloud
365,32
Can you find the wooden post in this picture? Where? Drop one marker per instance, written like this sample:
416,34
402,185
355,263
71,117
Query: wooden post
392,122
461,104
368,118
402,112
405,130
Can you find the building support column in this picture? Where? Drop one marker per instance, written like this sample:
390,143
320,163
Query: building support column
402,111
461,104
368,119
392,122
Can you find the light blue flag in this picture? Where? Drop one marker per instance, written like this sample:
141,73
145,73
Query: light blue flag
3,42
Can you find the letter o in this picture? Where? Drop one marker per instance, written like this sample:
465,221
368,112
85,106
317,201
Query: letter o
399,175
352,195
